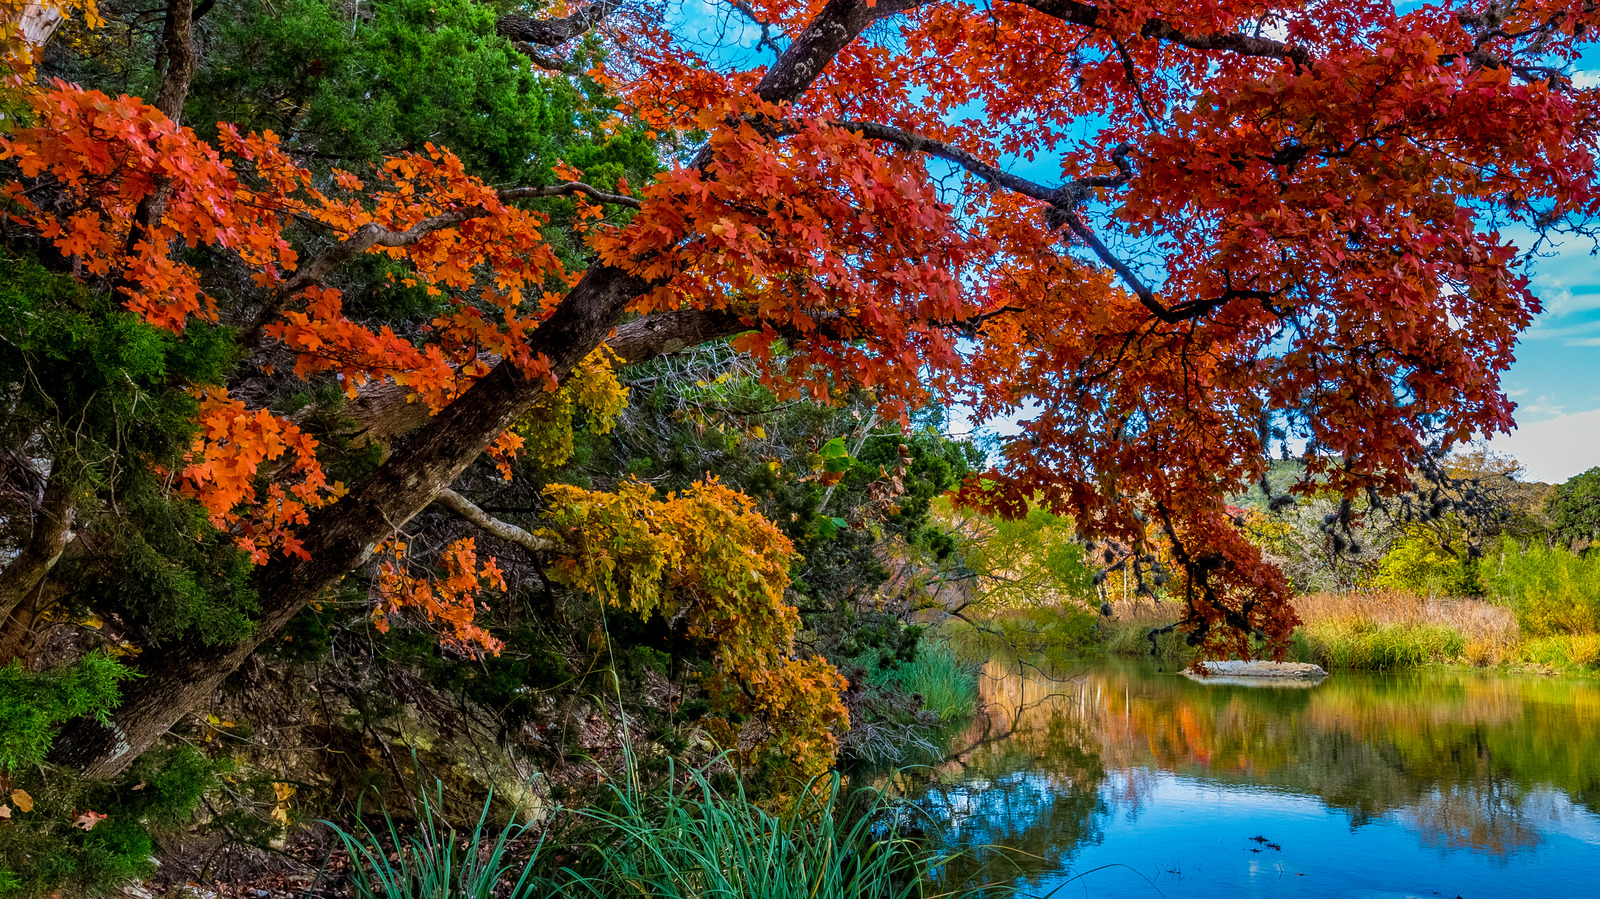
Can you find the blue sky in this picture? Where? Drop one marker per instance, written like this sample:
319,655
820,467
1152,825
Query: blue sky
1556,378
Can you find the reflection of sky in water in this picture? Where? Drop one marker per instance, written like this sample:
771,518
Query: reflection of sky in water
1125,782
1194,839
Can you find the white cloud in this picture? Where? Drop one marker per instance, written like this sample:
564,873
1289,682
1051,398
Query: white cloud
1555,449
1586,78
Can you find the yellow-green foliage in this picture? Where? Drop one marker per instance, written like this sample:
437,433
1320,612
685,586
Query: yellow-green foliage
1362,644
1417,564
1563,651
708,555
1030,562
593,388
1553,590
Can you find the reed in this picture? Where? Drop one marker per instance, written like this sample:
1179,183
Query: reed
1382,647
686,839
1387,626
699,842
948,686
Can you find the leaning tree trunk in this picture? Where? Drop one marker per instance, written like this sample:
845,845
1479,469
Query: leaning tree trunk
341,536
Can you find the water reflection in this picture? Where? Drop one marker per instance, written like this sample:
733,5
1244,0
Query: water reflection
1435,773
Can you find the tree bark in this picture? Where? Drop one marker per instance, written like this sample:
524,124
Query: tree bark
340,537
52,531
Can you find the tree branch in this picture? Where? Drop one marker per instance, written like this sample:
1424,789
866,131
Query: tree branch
553,32
567,190
1062,202
1103,19
506,531
52,531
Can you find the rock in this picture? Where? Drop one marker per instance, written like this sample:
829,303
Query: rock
1256,674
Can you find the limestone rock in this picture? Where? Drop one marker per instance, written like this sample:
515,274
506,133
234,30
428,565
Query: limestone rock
1256,674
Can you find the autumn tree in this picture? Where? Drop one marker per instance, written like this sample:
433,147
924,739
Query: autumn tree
1142,229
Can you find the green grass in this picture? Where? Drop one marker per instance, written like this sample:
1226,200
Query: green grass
1383,647
688,840
1131,639
948,686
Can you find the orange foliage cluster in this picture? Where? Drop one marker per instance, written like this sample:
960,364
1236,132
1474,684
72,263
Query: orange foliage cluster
233,444
255,472
450,602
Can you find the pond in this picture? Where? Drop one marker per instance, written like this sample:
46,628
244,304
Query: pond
1121,780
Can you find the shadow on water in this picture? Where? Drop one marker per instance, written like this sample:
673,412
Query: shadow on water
1434,782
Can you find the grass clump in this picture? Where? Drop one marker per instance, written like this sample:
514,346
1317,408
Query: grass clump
685,839
948,686
1382,647
1564,651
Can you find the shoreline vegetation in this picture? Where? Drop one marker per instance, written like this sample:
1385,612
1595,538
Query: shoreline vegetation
695,835
1380,630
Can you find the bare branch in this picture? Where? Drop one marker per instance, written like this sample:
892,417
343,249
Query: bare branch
506,531
553,32
746,10
1104,19
568,189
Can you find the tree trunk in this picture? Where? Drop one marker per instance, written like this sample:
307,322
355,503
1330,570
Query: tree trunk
340,537
52,531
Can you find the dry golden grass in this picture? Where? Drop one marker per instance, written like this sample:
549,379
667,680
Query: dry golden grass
1145,611
1490,630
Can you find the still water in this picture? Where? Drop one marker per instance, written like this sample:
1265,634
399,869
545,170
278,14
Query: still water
1120,780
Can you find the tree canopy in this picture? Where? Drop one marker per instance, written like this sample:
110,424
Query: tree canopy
1139,229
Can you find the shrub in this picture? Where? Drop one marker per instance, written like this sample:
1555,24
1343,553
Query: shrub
33,703
47,850
1552,590
1564,651
1417,564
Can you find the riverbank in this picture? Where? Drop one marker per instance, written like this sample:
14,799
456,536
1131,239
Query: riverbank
1386,630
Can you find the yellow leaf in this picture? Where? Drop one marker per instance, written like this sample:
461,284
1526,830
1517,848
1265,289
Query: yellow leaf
22,799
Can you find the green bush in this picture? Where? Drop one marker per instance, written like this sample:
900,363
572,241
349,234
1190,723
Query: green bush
1416,564
46,850
1552,590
